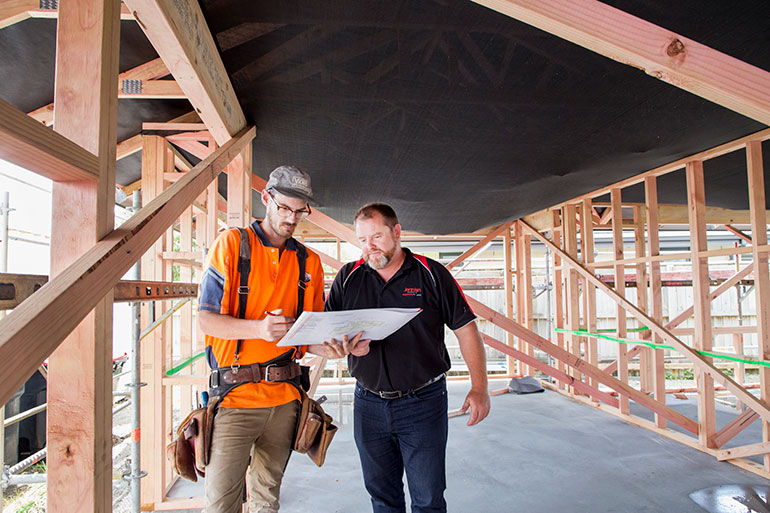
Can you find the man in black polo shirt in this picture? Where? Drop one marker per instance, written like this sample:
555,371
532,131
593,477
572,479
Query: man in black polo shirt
400,408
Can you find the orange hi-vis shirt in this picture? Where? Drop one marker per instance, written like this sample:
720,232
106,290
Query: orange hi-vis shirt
272,285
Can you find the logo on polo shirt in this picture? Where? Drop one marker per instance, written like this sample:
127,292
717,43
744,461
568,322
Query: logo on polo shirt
412,291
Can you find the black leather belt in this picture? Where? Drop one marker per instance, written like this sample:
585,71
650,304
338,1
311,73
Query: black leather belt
254,373
398,394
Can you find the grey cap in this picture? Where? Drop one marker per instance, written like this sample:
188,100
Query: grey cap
291,181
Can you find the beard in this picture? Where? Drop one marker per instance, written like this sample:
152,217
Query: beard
380,261
283,228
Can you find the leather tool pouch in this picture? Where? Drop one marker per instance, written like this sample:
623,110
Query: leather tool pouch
315,430
189,453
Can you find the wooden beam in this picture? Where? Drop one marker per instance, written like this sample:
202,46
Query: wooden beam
134,144
53,14
154,351
737,233
589,291
496,232
151,90
14,11
744,451
687,312
508,292
696,201
734,427
150,70
580,365
656,298
757,405
518,244
663,54
31,332
566,379
179,33
129,147
757,200
558,295
173,126
79,395
620,286
571,286
29,144
239,190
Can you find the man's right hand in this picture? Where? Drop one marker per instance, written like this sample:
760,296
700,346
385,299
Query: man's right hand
274,325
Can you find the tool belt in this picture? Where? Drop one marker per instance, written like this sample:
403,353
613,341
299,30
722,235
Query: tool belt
189,452
254,373
314,431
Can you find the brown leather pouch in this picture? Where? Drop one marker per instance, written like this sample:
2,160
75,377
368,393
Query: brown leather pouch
315,430
189,453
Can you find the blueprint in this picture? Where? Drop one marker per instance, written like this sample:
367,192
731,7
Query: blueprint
376,323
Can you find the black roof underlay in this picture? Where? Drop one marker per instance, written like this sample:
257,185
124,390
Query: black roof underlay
458,116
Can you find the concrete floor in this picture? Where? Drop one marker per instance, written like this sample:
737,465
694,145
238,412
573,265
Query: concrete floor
534,453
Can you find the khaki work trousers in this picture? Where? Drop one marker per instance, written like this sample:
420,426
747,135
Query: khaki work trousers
263,434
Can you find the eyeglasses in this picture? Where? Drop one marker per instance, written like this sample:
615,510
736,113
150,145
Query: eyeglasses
285,211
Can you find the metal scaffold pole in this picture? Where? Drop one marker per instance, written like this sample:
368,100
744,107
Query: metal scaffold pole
135,385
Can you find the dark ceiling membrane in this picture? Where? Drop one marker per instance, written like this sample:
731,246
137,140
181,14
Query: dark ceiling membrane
458,116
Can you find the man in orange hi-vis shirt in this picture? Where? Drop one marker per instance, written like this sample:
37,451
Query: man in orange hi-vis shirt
257,416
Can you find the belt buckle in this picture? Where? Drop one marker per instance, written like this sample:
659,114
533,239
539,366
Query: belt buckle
267,371
390,394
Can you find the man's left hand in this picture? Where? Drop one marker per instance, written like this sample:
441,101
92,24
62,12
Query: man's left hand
478,402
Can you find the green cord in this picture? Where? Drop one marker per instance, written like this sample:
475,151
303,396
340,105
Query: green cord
184,364
718,356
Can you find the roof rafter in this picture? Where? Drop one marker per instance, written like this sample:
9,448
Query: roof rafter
179,33
673,58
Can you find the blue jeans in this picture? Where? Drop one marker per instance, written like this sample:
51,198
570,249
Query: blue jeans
409,433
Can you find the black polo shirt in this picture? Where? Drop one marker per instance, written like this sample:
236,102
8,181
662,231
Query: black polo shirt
415,353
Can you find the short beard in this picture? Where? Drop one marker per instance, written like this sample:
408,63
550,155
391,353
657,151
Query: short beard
379,262
277,224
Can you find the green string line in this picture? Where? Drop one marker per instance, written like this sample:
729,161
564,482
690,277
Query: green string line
718,356
184,364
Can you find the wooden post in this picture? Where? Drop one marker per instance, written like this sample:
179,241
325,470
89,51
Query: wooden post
79,416
186,312
529,319
569,224
239,190
645,357
558,296
521,292
154,348
696,204
620,288
761,273
587,239
508,291
656,303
